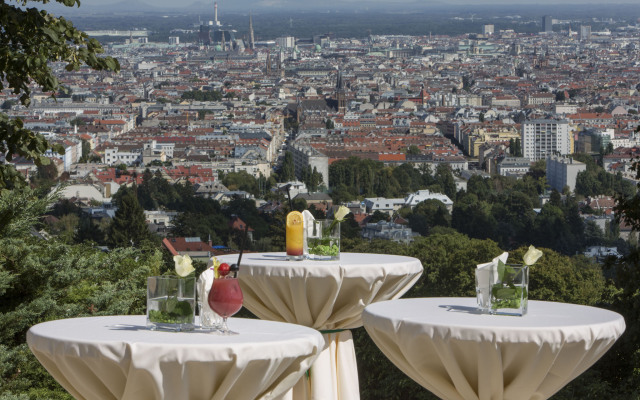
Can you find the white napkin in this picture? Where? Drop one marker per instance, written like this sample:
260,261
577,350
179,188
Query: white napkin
204,286
483,278
307,230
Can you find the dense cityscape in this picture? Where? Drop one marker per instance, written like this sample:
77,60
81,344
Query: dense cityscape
478,103
494,138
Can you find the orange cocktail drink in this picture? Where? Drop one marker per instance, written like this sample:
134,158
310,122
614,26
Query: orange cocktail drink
294,235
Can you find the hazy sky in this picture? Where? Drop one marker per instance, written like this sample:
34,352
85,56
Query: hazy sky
360,3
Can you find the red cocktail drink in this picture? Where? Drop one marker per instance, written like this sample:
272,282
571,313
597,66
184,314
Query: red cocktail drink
225,298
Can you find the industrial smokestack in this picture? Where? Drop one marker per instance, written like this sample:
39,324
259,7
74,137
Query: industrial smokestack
215,13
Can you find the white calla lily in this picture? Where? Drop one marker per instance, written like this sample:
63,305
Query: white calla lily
341,213
183,265
532,256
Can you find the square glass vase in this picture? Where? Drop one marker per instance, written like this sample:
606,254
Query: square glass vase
323,240
171,303
509,290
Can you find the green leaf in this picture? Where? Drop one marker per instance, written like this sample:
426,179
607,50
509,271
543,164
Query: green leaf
51,34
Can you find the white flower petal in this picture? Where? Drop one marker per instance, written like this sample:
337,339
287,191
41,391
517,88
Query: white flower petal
183,265
531,256
341,213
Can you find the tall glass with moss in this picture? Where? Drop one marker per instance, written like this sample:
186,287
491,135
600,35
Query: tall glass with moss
323,240
171,303
509,285
171,299
510,290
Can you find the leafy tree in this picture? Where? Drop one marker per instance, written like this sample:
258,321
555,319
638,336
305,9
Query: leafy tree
413,150
315,180
128,227
204,226
311,178
473,217
86,150
241,180
30,39
479,186
378,216
42,280
329,124
518,148
246,210
444,177
45,176
538,169
428,214
200,95
89,231
288,169
299,204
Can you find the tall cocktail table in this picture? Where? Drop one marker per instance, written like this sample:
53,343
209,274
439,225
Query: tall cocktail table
457,353
117,357
328,296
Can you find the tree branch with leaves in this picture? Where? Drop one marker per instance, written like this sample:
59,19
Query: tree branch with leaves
31,39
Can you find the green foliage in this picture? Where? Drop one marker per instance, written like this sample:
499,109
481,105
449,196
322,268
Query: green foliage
429,214
596,181
444,178
329,124
287,170
41,280
246,210
356,178
311,178
30,40
200,95
413,150
241,181
128,227
473,217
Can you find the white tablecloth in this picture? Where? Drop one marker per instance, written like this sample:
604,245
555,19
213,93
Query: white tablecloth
457,353
325,295
117,357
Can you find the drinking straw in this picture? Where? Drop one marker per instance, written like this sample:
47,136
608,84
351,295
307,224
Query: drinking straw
244,242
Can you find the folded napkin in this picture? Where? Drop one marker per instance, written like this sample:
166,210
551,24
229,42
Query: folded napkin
204,286
483,278
307,230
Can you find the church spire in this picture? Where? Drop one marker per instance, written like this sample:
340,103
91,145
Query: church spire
251,39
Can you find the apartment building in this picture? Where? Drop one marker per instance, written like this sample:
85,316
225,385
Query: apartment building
304,155
544,137
563,171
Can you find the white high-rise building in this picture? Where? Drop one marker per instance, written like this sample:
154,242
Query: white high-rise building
585,32
545,137
286,42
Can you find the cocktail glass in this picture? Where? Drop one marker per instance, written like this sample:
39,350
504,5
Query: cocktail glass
295,235
225,298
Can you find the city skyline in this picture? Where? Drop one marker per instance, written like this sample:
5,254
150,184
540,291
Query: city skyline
359,4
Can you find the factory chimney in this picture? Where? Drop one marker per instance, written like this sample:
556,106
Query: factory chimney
215,13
